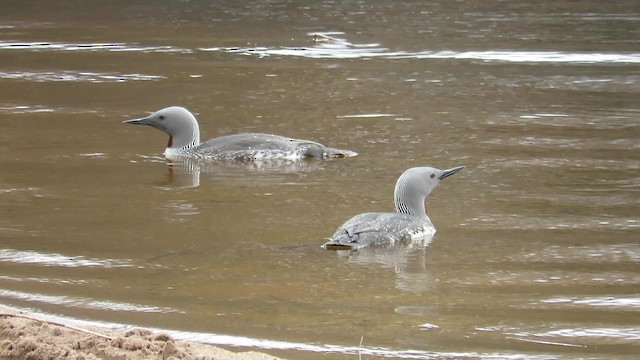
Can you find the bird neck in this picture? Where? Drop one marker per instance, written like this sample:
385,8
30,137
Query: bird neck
408,201
183,140
415,207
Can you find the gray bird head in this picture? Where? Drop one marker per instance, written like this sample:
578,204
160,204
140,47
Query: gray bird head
176,121
415,184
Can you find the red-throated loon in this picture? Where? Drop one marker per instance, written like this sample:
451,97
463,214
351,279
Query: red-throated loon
410,220
184,141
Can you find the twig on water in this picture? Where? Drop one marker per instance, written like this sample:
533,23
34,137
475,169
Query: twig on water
316,37
360,348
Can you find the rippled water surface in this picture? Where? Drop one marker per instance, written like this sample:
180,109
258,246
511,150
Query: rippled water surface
537,253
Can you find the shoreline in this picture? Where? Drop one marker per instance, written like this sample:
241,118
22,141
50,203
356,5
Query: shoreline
26,335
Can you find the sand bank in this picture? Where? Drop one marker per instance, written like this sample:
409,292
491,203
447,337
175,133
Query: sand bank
26,336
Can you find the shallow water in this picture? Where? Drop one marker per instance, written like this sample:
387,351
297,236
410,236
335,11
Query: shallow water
536,254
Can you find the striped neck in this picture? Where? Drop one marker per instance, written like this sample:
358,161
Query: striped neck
409,198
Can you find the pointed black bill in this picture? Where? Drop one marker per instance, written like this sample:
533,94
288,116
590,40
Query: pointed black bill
449,172
142,121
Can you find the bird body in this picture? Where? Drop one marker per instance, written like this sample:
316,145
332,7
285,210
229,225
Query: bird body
384,228
257,146
409,222
184,141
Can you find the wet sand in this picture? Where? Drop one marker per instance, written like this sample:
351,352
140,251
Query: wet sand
27,336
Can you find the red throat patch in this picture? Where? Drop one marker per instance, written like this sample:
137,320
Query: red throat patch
170,141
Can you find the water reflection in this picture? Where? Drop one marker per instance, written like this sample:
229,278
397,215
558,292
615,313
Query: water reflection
55,46
53,259
631,303
532,57
513,221
43,280
180,210
82,302
596,253
75,76
186,172
407,262
339,48
589,336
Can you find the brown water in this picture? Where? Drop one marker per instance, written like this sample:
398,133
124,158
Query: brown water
537,253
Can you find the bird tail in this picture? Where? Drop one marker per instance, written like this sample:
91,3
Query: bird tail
340,241
338,153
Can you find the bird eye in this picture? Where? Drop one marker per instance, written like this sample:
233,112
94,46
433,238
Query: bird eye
433,175
161,117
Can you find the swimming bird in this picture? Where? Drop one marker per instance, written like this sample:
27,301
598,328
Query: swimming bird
409,222
184,141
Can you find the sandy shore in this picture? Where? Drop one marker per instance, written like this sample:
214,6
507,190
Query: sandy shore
26,336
